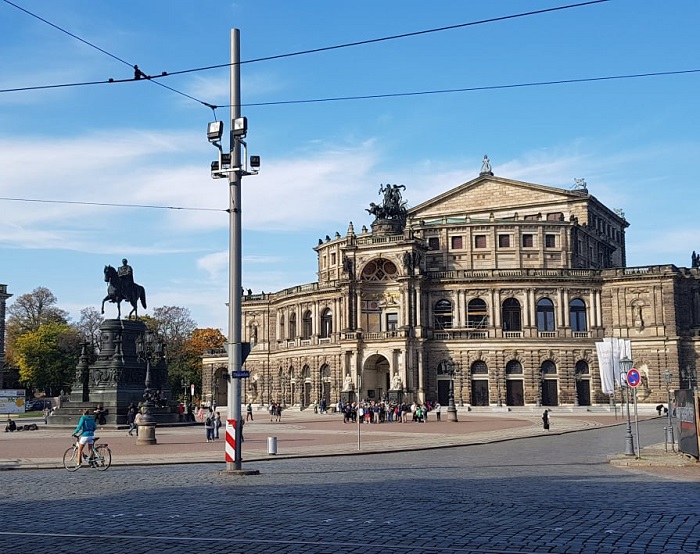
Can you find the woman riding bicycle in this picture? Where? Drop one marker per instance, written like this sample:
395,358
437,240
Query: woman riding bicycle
86,430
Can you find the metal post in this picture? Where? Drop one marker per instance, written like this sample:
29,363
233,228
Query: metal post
636,424
629,439
234,293
669,428
451,409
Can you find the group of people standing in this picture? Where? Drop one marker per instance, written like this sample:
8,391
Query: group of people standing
388,412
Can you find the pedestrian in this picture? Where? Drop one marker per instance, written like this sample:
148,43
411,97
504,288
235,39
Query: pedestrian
545,420
323,406
659,408
217,424
137,421
437,411
200,413
249,412
131,420
209,427
47,413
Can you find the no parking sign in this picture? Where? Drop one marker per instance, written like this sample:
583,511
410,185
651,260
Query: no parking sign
633,378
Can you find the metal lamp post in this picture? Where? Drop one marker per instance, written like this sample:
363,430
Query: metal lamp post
149,349
577,378
499,402
669,428
625,366
451,408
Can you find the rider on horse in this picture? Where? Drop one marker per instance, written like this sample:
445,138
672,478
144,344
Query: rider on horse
126,280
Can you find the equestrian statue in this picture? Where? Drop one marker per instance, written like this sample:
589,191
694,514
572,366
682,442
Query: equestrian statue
122,287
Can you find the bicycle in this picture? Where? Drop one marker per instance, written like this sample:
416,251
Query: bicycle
101,457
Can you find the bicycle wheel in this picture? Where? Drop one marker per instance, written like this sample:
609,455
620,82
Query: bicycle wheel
70,459
103,458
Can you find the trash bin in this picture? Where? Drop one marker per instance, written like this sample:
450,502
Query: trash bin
272,445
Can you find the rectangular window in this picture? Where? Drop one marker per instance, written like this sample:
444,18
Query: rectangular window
532,217
457,243
434,243
392,322
332,258
479,241
550,241
556,216
528,241
504,241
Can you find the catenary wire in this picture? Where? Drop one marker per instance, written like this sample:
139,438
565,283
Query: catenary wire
110,205
91,45
292,54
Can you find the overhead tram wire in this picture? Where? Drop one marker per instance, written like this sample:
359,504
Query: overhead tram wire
468,89
154,78
91,45
111,205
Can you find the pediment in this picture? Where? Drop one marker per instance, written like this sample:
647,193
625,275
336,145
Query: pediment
501,197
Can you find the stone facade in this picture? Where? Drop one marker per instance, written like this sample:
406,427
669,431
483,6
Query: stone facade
500,286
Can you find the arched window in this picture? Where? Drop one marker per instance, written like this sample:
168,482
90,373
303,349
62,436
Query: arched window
444,368
545,315
380,270
548,367
511,315
479,367
442,314
281,335
306,325
514,367
582,367
577,315
292,326
477,314
326,323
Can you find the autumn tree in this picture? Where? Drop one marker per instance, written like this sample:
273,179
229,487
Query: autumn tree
27,313
89,328
47,356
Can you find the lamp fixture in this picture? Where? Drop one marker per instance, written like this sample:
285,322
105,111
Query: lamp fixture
215,130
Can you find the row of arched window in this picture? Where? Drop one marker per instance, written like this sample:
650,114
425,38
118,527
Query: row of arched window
511,315
290,332
514,367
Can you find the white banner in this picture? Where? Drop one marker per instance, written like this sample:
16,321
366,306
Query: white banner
12,401
610,351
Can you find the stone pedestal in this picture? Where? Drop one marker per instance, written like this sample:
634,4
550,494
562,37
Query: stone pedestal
116,379
147,430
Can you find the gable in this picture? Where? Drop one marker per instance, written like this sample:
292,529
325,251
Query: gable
502,197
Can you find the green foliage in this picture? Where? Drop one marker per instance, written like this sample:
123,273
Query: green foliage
47,356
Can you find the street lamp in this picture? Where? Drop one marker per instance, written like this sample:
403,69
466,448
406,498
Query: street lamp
577,378
625,366
499,402
669,428
451,409
149,349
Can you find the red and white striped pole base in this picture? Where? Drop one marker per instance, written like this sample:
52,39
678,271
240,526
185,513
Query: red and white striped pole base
230,440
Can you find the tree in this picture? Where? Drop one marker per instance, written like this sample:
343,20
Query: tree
89,328
175,326
206,339
27,313
47,356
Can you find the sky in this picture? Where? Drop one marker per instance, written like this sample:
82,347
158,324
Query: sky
64,150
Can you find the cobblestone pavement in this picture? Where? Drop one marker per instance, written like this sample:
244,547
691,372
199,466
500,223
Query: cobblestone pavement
551,493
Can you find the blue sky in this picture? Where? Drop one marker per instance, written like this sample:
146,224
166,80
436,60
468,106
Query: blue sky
635,141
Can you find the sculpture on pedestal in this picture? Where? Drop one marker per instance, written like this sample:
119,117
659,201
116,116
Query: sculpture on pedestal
122,287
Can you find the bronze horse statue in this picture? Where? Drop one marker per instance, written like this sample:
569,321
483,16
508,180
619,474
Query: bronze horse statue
115,294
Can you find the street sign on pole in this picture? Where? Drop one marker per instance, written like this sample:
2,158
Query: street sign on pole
633,378
242,374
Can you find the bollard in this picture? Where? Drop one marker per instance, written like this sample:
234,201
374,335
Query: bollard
272,445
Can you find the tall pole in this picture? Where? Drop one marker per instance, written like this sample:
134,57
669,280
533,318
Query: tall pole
234,292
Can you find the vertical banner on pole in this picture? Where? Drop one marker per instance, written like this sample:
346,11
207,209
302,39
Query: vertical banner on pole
230,440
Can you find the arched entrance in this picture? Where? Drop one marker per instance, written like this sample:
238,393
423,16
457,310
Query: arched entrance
376,378
583,383
550,384
514,384
480,384
305,386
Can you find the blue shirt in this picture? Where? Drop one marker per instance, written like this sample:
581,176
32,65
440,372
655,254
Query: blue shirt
86,426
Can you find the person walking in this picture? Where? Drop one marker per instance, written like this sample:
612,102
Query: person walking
545,420
437,411
217,425
209,427
131,420
47,413
249,412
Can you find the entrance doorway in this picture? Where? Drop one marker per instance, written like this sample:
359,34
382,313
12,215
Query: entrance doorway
550,393
480,392
583,392
514,392
444,392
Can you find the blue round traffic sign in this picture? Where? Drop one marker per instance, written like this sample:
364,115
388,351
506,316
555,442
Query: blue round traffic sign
633,377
